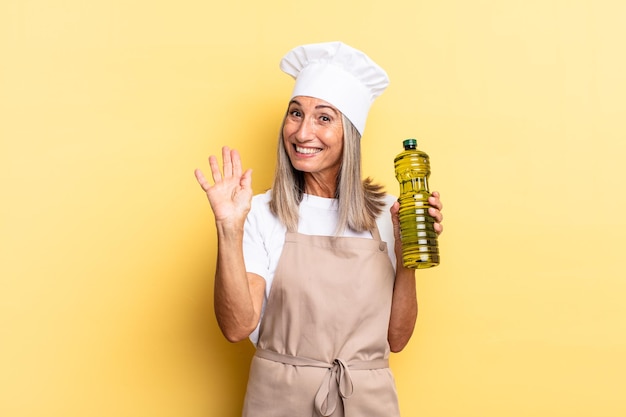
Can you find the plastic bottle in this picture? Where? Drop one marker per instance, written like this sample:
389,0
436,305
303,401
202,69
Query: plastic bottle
419,239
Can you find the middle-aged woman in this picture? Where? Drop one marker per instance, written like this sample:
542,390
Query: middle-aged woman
304,270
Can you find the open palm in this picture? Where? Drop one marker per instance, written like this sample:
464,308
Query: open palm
231,193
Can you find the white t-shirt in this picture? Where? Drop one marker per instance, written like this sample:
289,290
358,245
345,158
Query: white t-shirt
264,234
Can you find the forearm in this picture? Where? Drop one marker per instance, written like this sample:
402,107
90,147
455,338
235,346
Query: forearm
403,309
236,308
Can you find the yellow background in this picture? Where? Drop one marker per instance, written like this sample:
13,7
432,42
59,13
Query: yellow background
108,244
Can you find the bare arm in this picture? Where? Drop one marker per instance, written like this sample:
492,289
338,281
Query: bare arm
404,301
238,295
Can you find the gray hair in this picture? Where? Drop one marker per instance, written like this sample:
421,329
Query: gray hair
360,202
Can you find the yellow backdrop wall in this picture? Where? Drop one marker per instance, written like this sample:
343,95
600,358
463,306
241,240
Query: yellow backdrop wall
108,245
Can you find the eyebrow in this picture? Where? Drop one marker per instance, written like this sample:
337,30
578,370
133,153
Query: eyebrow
319,106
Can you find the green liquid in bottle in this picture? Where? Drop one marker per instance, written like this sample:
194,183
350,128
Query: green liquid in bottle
419,239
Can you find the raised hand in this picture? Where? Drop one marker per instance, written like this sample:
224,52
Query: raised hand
231,193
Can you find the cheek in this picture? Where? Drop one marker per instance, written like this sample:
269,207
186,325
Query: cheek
289,128
286,144
336,138
286,132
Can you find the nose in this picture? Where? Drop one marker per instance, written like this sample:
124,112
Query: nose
306,130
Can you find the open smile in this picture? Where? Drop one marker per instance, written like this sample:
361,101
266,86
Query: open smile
307,151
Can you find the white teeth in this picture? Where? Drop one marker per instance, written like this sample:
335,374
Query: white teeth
307,150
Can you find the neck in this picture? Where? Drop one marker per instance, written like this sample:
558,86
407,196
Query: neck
320,186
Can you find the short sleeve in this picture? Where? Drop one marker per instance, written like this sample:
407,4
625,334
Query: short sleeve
255,253
385,227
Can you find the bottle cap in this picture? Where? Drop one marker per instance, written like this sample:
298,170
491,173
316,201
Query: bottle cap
409,143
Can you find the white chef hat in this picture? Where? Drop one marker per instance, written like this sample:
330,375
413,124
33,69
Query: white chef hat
339,74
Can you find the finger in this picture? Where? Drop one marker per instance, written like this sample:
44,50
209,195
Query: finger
436,214
236,162
395,219
202,180
438,228
395,208
435,201
228,164
246,179
215,169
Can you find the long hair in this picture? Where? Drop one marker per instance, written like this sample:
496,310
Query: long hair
360,202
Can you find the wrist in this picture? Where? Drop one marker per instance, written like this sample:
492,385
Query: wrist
404,273
229,229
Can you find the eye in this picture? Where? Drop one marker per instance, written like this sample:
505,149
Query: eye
295,113
325,118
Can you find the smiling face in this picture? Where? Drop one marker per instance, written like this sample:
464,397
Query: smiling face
313,139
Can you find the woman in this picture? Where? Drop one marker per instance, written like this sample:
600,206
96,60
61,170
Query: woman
304,270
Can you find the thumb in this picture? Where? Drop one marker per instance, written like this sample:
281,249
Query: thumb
395,219
246,179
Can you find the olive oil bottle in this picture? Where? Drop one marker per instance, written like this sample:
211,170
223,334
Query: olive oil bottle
419,239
